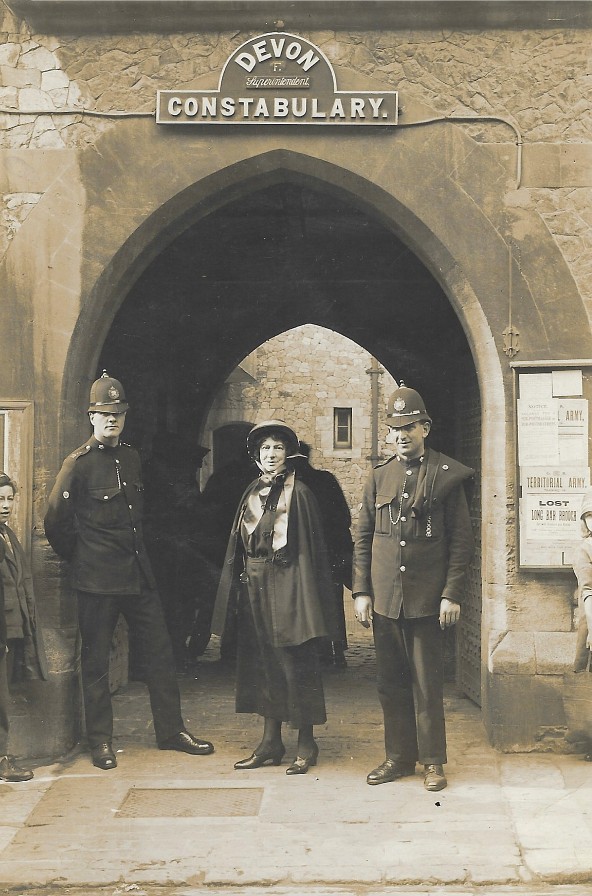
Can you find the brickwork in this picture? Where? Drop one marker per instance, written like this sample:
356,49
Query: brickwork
301,376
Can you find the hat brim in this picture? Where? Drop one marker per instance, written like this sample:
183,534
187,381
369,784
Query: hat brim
262,430
118,407
398,420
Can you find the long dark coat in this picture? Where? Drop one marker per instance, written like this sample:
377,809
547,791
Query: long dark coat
399,564
302,611
16,576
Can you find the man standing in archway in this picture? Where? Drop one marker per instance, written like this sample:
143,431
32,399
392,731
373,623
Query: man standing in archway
413,547
94,520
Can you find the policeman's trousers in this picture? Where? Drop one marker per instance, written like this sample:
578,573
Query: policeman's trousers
409,666
97,618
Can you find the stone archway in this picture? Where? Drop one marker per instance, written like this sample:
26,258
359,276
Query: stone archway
384,178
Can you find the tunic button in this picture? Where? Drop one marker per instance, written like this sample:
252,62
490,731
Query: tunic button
444,466
130,506
409,472
125,483
403,543
405,495
105,497
402,568
403,519
116,461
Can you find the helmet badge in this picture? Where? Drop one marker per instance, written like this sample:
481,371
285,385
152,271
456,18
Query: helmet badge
113,393
399,404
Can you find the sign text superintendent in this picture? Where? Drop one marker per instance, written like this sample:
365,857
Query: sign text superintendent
277,78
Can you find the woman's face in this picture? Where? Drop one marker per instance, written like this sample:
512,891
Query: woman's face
588,521
272,455
6,503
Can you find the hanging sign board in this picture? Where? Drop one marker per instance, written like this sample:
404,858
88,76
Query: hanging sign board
553,464
277,78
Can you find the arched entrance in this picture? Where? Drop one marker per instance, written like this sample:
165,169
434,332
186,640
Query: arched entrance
468,288
284,255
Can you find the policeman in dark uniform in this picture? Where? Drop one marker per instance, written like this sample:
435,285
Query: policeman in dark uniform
94,520
413,546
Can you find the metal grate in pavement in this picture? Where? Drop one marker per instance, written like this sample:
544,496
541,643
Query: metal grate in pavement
198,802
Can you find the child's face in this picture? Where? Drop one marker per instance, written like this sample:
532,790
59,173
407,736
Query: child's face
588,521
7,503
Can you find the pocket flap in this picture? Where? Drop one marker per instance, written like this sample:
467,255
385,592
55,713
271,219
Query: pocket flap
104,494
383,500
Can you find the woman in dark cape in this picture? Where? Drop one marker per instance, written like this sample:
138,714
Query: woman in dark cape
277,575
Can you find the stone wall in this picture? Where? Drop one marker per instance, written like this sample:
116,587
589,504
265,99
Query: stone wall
301,376
66,90
537,77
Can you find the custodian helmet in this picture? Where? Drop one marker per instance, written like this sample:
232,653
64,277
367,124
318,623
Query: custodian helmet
107,396
261,430
406,406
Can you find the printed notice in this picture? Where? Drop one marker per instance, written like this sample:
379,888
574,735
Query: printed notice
573,431
550,513
538,432
567,382
536,385
551,501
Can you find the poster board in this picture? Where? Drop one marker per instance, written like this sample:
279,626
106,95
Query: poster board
552,458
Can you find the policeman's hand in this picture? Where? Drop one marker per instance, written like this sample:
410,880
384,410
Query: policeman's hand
363,609
449,613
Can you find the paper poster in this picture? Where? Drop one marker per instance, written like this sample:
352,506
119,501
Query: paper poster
550,504
573,431
567,382
538,431
536,385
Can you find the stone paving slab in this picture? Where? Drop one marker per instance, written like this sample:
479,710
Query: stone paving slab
513,821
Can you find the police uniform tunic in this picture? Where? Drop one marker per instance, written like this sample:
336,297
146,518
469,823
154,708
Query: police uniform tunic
414,540
413,547
94,520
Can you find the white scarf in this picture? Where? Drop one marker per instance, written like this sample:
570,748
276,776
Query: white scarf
256,504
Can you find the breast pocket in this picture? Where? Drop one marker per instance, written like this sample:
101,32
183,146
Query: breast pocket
103,508
382,523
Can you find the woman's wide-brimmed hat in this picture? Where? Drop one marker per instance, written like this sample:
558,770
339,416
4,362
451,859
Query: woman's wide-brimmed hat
261,430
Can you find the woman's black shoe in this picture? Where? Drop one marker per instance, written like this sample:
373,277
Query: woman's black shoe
256,760
301,765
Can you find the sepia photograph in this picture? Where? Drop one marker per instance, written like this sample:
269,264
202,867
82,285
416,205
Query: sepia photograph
295,496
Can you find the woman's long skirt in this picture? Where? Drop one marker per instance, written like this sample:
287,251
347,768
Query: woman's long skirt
282,683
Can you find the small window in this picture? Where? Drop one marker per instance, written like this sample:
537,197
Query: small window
342,428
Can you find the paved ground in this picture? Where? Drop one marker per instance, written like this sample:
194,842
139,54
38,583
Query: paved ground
167,823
